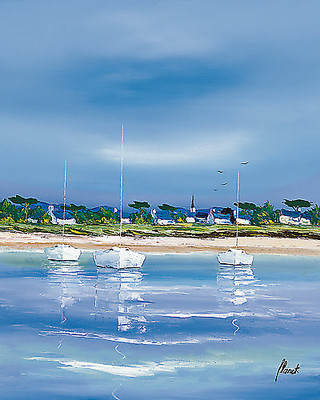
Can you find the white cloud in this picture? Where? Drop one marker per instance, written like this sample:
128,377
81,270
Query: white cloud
223,148
37,34
77,29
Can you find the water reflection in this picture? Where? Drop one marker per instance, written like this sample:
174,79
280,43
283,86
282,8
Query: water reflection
113,295
188,349
235,284
118,294
66,284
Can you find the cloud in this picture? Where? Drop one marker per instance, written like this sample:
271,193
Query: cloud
84,29
36,34
200,85
216,150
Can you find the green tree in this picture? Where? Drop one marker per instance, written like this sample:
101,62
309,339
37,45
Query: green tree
265,215
44,219
37,213
8,210
77,212
297,204
109,216
139,205
24,202
314,213
141,216
89,217
176,216
179,217
247,208
167,207
102,216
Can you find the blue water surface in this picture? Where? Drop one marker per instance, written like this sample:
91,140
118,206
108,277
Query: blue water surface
182,327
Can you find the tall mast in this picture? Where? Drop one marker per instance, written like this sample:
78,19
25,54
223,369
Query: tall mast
237,212
121,183
64,195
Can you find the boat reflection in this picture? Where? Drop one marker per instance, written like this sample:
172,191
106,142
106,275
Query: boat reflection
235,284
66,284
118,295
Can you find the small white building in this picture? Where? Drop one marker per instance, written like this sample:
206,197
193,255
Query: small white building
165,221
221,219
294,218
161,220
286,220
242,219
305,221
57,217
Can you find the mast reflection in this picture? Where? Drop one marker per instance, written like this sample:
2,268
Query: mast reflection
118,294
66,284
235,284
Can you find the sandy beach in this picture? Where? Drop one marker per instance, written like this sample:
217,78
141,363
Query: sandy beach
254,245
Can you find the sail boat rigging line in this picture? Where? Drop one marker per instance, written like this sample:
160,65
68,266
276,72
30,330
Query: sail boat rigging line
121,186
118,257
63,252
64,195
237,212
235,256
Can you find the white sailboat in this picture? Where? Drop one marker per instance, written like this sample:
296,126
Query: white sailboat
119,257
63,252
236,256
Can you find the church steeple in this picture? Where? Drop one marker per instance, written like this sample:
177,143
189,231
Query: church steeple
192,207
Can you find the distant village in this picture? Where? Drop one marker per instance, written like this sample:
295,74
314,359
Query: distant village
18,209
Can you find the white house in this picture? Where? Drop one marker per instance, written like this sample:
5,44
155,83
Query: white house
165,221
57,217
304,221
242,219
221,219
294,218
163,218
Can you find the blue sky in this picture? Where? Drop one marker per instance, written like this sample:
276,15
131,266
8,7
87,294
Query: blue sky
198,85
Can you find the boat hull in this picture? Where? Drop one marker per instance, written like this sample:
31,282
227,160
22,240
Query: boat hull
62,252
118,258
235,257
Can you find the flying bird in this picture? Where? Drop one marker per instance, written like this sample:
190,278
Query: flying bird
215,190
220,171
244,162
224,184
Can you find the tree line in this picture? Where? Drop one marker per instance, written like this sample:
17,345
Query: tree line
21,209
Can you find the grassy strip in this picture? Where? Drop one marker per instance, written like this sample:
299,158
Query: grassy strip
178,230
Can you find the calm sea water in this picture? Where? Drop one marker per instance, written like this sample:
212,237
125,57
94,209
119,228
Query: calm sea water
182,327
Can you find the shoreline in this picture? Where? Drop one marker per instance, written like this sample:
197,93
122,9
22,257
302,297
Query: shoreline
253,245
